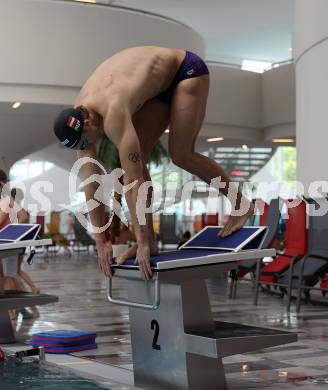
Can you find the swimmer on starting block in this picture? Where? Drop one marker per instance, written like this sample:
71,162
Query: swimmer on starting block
132,97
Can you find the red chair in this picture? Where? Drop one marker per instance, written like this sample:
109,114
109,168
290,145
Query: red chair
295,244
246,266
197,223
40,219
210,220
324,285
264,214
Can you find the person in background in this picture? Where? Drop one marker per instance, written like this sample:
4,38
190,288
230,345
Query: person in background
18,211
12,212
10,263
8,270
3,181
184,238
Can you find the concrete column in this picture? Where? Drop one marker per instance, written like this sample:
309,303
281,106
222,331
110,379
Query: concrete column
311,65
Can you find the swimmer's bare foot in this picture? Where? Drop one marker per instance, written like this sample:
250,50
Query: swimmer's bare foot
128,254
132,252
235,223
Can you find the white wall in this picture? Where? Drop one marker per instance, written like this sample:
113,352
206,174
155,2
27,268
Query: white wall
55,43
311,50
53,185
251,106
234,97
278,96
310,24
48,49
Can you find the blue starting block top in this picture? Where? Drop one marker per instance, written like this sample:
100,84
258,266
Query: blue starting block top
177,255
16,236
249,237
206,248
19,232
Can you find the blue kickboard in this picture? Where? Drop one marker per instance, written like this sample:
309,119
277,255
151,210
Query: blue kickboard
63,336
65,350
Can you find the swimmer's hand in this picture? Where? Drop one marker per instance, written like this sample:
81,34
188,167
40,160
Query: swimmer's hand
143,259
105,257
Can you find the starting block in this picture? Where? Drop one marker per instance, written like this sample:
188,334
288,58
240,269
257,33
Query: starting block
14,239
176,344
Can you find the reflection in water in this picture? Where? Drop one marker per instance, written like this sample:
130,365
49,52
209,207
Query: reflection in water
30,374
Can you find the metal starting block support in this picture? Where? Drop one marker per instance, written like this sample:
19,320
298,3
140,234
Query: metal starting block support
176,344
15,299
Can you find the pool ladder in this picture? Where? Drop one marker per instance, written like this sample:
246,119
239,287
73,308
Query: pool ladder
32,352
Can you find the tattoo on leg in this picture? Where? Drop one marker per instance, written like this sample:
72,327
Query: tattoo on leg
134,157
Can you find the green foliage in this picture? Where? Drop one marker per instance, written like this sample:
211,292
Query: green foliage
46,236
289,164
108,154
158,153
282,166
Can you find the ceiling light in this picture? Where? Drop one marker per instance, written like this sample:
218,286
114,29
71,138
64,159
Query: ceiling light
255,66
215,139
276,65
87,1
290,49
16,104
237,172
167,131
283,140
244,147
244,367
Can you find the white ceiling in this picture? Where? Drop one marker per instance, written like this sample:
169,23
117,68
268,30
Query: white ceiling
233,30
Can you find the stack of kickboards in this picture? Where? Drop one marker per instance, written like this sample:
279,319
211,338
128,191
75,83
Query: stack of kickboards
64,341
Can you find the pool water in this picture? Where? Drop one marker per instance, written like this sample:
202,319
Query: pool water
29,374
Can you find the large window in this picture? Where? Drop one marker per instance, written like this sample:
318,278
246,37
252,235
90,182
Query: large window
27,169
281,167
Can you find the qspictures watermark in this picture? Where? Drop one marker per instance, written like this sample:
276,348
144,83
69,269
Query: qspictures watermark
105,184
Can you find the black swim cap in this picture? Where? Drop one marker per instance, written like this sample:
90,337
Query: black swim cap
69,126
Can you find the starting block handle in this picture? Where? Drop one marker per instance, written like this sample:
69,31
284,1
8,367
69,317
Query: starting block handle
146,306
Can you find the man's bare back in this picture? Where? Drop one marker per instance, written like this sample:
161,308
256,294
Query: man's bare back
130,77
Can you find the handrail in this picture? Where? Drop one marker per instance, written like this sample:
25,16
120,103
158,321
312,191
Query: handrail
153,306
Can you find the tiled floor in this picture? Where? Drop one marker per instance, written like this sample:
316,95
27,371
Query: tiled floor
83,305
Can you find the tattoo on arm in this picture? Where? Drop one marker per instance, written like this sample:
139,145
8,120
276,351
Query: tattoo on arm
134,157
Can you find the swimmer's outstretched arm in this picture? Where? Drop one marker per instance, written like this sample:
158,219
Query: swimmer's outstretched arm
104,247
120,129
